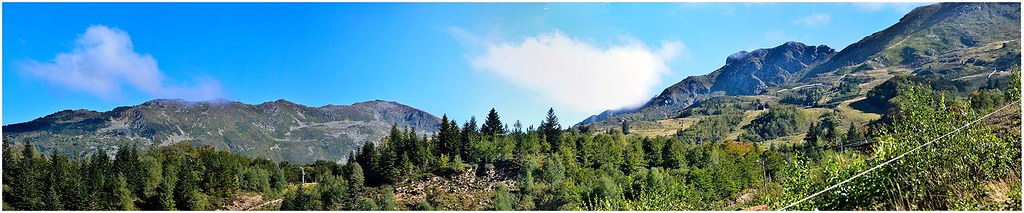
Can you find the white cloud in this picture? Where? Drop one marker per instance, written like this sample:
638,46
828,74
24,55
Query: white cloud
814,20
576,73
103,61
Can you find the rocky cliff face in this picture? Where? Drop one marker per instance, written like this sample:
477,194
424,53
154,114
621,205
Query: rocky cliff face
744,73
750,73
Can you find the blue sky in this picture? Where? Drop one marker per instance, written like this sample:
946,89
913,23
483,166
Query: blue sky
455,58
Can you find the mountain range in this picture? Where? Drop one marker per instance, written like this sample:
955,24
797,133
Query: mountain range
279,130
950,40
947,40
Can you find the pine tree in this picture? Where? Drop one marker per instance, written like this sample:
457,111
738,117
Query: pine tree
186,194
672,155
58,182
301,199
443,139
389,165
9,161
290,200
492,126
502,199
395,137
126,161
832,133
812,141
404,167
333,191
52,199
26,190
355,185
452,138
277,179
415,149
470,126
165,193
151,175
422,155
469,133
528,186
852,133
355,177
123,198
551,130
100,175
554,171
368,159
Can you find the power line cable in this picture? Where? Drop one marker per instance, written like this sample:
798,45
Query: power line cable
895,158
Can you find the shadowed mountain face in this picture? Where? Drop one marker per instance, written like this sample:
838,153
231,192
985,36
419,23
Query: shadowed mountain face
751,73
744,73
278,130
948,39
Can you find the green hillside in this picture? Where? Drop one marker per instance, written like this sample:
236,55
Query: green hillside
279,130
971,43
924,115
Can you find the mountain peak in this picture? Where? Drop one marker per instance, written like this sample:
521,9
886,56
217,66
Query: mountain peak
166,102
283,101
737,56
750,73
784,47
969,38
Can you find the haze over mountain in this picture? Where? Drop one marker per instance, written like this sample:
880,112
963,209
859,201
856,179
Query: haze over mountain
952,40
279,130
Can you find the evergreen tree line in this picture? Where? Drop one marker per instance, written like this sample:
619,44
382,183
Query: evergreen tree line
558,169
176,177
555,169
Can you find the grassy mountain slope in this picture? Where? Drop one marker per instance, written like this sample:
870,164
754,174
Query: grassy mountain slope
278,130
948,38
969,42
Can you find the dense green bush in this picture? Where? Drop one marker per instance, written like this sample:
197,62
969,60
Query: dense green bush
778,122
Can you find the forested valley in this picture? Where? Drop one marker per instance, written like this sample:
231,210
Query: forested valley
923,115
495,166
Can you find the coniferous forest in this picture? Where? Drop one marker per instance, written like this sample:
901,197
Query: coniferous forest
495,166
922,115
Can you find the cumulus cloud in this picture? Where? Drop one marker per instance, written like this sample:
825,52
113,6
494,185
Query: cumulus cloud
814,20
104,60
576,73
